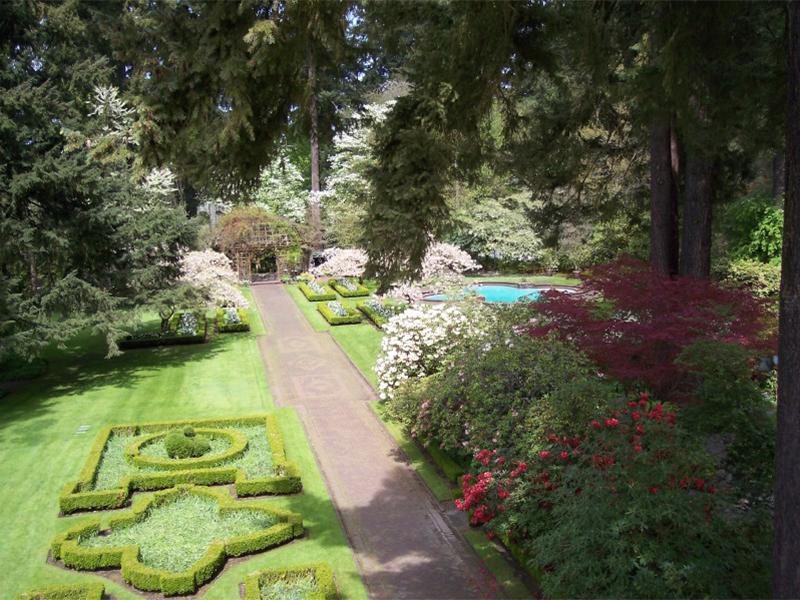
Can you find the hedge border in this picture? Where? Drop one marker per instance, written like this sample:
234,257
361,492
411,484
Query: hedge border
322,572
173,339
353,316
374,317
312,296
76,495
222,327
74,591
65,546
359,292
237,440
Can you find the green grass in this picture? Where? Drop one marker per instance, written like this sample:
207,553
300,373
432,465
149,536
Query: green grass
297,588
42,449
177,534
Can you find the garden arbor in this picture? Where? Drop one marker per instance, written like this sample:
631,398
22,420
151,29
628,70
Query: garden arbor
251,235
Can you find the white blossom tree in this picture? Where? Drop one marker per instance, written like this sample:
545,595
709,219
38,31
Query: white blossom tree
212,273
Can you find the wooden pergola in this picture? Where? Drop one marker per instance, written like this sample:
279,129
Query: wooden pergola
260,240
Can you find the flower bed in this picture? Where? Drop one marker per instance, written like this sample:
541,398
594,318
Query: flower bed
314,581
337,314
121,462
377,311
184,328
315,292
348,288
79,591
231,320
134,540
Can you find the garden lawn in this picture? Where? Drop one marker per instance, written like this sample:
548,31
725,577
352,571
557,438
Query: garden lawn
42,449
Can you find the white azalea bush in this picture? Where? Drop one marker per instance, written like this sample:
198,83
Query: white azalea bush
212,273
418,341
341,262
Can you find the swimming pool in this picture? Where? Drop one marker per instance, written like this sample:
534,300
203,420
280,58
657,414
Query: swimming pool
497,292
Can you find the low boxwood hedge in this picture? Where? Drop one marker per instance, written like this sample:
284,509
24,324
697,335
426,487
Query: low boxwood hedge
78,495
65,546
359,292
313,296
376,318
352,317
77,591
150,339
321,572
225,327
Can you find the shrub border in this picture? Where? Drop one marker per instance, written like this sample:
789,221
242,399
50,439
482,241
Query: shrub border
374,317
360,291
76,495
323,575
65,546
222,327
173,339
75,591
312,296
353,316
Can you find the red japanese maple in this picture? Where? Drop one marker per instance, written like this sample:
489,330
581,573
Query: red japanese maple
634,322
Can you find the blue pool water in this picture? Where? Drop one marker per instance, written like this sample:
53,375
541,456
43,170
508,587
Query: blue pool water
506,294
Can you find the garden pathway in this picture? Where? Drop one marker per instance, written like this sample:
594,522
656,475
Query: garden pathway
404,543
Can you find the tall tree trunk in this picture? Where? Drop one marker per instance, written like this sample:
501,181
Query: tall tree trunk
778,174
786,550
696,239
663,201
314,218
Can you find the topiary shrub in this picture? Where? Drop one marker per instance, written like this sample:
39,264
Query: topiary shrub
186,444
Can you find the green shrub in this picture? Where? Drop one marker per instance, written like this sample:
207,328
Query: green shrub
312,296
77,591
180,444
762,279
67,548
78,495
150,339
352,317
16,368
226,323
321,575
753,228
379,311
348,288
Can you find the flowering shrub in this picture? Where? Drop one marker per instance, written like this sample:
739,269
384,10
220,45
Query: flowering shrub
212,273
316,287
626,508
231,316
386,311
503,390
187,325
337,309
634,322
341,263
418,341
347,284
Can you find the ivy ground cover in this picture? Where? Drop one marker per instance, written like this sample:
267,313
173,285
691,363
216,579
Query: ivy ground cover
43,449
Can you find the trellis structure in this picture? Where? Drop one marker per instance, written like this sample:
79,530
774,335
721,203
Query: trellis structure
253,234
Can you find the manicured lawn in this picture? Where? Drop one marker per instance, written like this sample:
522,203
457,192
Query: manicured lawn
42,449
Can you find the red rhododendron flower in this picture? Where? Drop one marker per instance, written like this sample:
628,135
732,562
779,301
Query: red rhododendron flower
544,454
612,422
654,489
637,448
596,424
699,484
636,415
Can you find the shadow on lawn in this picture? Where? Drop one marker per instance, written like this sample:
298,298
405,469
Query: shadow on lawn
72,374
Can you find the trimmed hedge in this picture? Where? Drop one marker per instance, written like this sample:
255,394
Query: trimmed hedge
65,546
352,317
359,292
156,338
312,296
321,572
237,440
223,327
377,319
78,496
77,591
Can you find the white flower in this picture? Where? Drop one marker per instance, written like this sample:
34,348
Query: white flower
212,273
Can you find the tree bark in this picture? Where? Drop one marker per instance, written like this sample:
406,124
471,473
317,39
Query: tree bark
786,549
696,239
778,174
663,201
314,212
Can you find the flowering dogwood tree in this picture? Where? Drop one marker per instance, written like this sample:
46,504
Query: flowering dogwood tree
341,262
443,269
418,341
212,273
